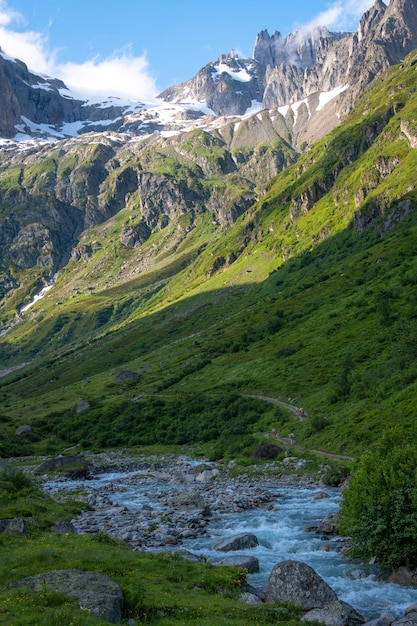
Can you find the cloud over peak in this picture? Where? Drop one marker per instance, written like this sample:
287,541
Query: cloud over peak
123,74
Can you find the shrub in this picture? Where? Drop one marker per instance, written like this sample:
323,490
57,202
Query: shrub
15,478
379,509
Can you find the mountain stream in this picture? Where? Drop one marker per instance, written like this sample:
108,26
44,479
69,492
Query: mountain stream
285,530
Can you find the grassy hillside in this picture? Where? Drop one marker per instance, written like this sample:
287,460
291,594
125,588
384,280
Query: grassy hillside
310,296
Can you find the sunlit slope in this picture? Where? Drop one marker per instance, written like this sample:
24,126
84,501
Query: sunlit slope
310,295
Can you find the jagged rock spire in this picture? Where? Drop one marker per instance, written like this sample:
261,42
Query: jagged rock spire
371,19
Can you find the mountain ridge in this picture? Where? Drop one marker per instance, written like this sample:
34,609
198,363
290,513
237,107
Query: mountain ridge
327,246
281,72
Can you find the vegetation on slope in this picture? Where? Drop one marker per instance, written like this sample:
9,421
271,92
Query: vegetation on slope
310,295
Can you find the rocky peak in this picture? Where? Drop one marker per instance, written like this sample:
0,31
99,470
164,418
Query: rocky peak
298,48
268,49
371,19
398,28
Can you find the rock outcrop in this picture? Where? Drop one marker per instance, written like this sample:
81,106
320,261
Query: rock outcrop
94,592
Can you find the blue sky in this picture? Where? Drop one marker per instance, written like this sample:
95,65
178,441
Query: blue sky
135,48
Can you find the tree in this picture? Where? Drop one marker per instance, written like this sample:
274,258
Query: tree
379,509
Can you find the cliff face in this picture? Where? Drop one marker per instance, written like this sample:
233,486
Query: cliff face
290,70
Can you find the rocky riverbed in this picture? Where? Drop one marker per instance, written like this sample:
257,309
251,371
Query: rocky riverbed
155,503
204,511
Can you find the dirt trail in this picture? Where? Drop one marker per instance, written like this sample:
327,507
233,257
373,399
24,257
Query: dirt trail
289,441
298,411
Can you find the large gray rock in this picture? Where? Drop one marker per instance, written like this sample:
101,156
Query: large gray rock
63,527
23,429
237,542
250,563
296,582
404,576
335,614
74,461
94,592
329,524
14,526
188,500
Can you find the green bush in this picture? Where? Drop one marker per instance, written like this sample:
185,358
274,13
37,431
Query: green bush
379,509
15,478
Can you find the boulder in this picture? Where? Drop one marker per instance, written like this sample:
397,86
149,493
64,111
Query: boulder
63,527
297,583
410,620
250,563
404,576
187,500
328,525
83,405
335,614
206,475
23,429
410,609
70,462
125,376
94,592
237,542
14,526
249,598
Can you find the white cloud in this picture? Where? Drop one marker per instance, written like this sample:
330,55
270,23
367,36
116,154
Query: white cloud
123,74
340,15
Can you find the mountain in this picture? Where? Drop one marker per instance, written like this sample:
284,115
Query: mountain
211,260
301,73
295,77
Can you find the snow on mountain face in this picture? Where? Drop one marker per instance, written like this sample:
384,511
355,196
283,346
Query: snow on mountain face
312,79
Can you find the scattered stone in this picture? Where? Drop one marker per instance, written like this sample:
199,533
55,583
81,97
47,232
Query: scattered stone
125,376
75,461
95,593
15,526
250,563
335,614
249,598
237,542
63,527
297,582
23,429
82,406
404,576
187,500
206,475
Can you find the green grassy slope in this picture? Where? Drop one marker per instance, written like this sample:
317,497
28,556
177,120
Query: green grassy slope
310,295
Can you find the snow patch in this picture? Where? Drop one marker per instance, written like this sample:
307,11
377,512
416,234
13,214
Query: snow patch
296,105
254,108
284,110
44,86
241,76
39,296
328,96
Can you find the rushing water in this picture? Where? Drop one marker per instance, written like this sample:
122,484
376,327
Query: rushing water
283,533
